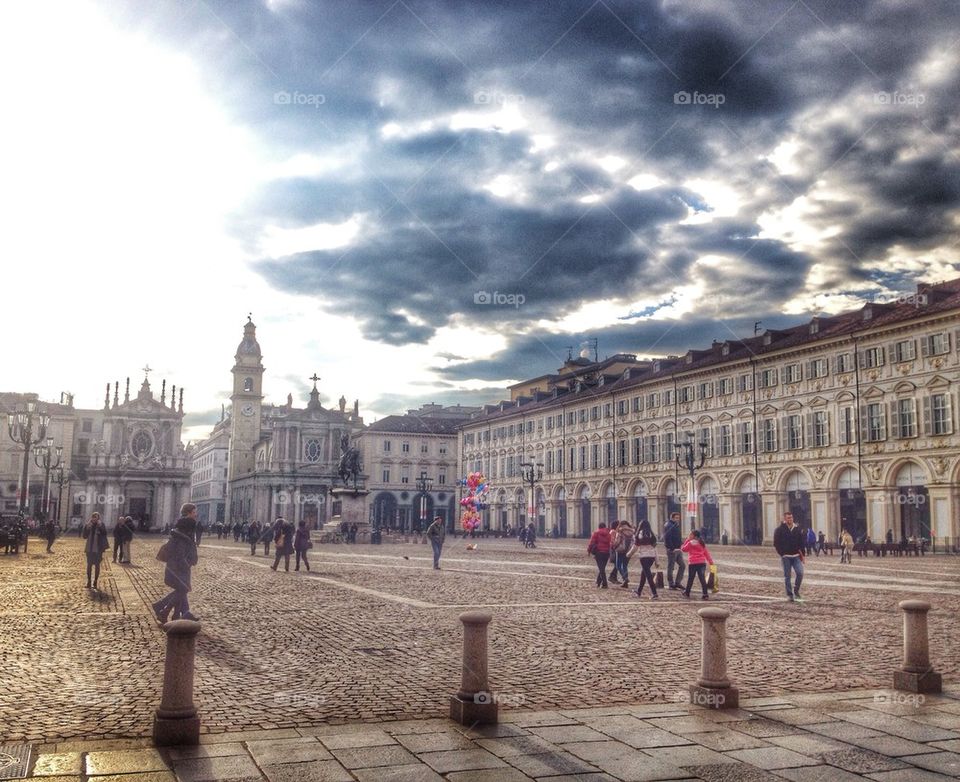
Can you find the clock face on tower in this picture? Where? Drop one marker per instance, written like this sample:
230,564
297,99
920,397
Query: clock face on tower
247,409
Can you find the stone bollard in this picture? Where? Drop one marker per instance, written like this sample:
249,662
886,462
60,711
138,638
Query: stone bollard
713,689
474,704
916,675
176,721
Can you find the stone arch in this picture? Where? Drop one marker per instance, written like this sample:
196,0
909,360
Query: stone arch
840,475
805,481
898,471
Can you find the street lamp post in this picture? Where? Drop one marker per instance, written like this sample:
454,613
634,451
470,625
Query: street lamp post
61,477
423,486
689,460
532,474
43,456
20,428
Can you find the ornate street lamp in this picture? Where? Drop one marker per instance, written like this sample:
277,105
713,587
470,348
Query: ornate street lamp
689,460
423,486
43,456
61,476
20,428
531,474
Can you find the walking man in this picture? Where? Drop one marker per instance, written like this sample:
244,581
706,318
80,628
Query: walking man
436,532
95,543
283,537
179,554
50,531
789,543
672,541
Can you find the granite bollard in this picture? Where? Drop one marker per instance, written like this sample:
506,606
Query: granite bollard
713,689
474,704
917,675
176,721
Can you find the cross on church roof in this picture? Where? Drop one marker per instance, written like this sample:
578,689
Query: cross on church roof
314,379
146,371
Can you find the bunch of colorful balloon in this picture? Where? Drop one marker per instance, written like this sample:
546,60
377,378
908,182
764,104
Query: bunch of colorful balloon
473,503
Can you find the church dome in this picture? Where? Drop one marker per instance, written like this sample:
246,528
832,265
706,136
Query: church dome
249,345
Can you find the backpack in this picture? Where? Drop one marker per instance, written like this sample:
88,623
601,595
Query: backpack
163,553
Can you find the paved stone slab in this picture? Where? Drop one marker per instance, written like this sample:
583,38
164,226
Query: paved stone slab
806,744
842,731
364,738
461,760
369,757
689,756
642,738
493,731
148,776
896,726
217,769
515,745
938,719
204,751
549,764
795,716
434,742
58,764
593,751
942,762
909,775
248,735
684,725
953,745
733,772
861,761
771,758
124,761
416,773
725,740
500,775
314,771
892,746
762,728
529,719
818,774
641,768
276,753
568,733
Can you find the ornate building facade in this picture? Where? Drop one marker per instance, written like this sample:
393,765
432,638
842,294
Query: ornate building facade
847,420
412,463
282,460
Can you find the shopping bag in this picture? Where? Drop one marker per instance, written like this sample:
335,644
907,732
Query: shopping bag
658,578
713,580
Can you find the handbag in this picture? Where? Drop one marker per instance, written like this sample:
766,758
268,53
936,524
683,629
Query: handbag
713,580
658,578
592,549
163,553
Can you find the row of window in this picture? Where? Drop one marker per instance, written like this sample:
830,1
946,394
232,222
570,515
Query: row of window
899,352
405,447
405,477
878,421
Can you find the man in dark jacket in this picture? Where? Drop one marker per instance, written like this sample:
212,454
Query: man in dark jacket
672,540
789,542
436,533
283,537
180,554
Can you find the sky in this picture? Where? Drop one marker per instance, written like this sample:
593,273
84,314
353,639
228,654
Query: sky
425,201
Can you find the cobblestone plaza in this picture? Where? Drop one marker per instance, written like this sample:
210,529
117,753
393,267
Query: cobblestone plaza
372,634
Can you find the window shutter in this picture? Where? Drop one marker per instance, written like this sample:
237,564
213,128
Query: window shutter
927,416
811,434
863,423
925,346
861,359
738,437
948,412
894,420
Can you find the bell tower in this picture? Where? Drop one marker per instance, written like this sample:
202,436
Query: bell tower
247,399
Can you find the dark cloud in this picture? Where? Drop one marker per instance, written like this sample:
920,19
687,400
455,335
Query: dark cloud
875,171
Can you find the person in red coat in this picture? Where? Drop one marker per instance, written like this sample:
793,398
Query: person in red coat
599,547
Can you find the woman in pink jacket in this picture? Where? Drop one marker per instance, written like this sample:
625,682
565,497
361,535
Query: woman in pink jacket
698,559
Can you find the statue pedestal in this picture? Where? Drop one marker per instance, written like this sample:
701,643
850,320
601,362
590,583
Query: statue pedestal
350,506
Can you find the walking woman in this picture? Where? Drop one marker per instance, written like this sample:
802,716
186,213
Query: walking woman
95,535
283,537
124,533
253,536
301,542
179,554
697,560
645,547
599,548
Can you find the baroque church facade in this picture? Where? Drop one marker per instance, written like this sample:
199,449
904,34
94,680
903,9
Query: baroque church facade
282,460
